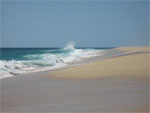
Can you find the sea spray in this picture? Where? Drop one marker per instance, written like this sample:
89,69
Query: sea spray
37,59
70,46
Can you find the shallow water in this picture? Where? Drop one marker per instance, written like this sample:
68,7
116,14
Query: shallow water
16,61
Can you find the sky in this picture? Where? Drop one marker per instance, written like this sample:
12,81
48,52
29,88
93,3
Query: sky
88,23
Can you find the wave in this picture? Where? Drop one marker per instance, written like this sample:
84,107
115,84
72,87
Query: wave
47,60
70,46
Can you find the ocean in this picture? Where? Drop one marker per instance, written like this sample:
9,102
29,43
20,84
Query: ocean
17,61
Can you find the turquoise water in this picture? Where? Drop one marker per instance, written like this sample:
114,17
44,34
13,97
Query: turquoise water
15,61
20,53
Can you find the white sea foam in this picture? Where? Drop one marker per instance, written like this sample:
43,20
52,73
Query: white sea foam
70,46
46,61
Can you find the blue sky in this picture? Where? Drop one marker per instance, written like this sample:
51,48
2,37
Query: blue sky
88,23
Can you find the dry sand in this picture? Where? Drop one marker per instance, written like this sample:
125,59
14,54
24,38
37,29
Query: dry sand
118,84
131,65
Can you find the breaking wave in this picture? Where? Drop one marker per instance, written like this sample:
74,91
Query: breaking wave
47,59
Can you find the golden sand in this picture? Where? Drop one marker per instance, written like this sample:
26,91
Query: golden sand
134,49
130,65
125,88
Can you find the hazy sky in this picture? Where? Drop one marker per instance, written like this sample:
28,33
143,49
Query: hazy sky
88,23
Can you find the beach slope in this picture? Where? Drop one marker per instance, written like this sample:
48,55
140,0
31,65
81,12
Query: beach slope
114,84
127,65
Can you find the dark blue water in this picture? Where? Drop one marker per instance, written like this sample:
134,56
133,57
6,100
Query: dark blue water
19,53
15,61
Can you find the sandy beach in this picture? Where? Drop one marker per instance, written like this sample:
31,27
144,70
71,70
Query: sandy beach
118,83
130,65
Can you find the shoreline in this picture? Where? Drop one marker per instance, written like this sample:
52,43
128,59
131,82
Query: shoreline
67,65
108,54
120,84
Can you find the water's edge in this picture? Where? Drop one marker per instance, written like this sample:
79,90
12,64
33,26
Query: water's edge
110,53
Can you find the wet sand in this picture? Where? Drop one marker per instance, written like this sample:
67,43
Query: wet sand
115,84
